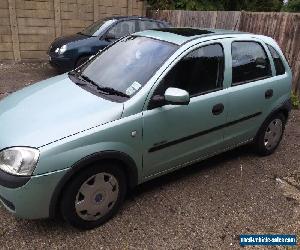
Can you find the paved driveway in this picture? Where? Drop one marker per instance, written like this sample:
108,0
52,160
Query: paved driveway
203,206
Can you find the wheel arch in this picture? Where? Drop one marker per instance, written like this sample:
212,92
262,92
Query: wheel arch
125,162
284,108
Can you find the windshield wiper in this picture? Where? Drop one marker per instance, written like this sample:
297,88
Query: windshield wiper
113,91
105,90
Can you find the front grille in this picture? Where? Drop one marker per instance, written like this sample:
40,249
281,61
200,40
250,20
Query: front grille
8,204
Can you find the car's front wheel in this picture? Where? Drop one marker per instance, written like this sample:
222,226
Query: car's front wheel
270,134
94,196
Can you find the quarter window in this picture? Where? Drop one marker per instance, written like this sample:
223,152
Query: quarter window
249,62
279,66
199,72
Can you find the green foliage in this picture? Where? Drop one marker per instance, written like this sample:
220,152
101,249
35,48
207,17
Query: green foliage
248,5
292,6
295,101
184,4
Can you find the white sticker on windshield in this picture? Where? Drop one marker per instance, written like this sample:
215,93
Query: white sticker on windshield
133,88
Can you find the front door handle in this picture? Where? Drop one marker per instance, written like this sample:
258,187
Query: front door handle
269,93
218,109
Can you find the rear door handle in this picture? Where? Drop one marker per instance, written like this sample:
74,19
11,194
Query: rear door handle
269,93
218,109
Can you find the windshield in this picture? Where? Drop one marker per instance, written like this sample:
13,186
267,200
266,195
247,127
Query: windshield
97,28
128,65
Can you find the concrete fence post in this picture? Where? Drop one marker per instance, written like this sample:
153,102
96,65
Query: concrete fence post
14,29
57,17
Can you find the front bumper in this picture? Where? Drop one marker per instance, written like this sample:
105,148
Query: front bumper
32,200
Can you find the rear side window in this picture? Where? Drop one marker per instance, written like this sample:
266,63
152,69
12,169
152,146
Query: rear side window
249,62
279,66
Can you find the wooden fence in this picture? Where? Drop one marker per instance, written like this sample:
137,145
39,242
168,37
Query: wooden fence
283,27
27,27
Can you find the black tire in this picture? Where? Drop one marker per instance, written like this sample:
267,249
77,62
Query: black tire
261,143
72,192
81,60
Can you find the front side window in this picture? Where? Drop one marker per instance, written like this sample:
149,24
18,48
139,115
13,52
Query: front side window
249,62
123,28
147,25
199,72
279,66
128,65
97,28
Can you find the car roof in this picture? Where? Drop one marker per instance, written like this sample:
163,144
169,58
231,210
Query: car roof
132,17
180,36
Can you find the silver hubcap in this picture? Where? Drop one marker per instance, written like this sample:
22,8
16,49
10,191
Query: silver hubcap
273,134
96,196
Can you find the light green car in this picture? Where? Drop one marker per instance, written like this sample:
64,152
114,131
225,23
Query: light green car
149,104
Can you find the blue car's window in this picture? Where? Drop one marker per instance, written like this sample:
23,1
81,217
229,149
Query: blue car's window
128,65
147,25
123,28
97,27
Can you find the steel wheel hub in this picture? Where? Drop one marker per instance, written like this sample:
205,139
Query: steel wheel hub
96,196
273,134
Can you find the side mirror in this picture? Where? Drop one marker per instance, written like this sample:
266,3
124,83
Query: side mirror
175,96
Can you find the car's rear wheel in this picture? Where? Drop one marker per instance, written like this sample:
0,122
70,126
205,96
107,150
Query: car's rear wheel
81,61
270,134
94,196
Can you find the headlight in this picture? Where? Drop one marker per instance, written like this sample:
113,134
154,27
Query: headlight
19,160
61,50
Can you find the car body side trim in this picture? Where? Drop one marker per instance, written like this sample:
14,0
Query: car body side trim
197,160
201,133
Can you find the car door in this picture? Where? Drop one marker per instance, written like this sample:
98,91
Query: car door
175,135
249,91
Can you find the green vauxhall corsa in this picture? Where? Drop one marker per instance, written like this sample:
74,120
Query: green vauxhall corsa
149,104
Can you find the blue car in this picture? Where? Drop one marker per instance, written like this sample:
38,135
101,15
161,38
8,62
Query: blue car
69,52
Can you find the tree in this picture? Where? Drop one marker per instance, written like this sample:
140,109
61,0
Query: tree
292,6
230,5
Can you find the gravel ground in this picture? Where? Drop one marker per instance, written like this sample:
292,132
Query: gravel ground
205,206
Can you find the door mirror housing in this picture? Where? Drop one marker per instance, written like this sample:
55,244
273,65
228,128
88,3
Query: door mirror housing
176,96
172,96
